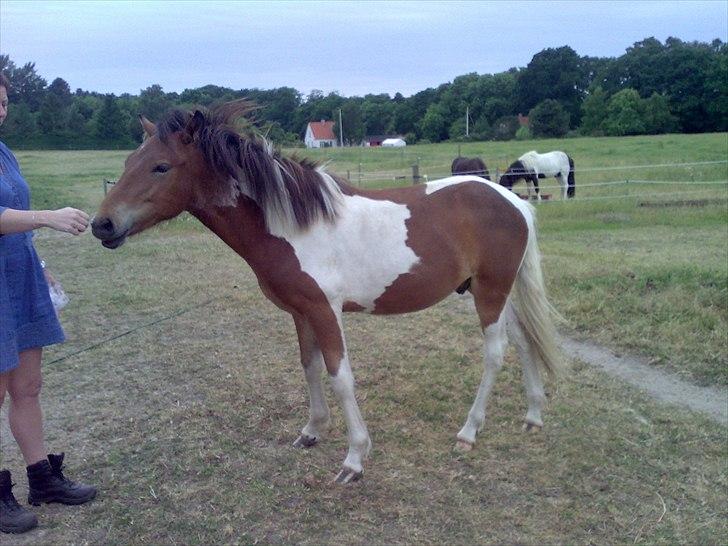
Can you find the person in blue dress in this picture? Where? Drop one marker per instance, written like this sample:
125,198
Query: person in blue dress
28,323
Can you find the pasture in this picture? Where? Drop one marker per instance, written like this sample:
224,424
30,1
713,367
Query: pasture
179,390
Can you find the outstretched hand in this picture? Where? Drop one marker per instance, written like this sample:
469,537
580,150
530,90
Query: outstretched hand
68,219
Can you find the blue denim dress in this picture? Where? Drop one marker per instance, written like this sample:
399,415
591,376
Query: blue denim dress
27,318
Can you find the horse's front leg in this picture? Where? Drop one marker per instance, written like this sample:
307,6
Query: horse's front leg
329,333
313,365
534,181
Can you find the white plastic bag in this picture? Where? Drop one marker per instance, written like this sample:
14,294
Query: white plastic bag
59,298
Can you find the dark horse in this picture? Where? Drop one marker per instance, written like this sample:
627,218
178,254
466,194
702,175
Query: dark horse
320,247
531,166
470,165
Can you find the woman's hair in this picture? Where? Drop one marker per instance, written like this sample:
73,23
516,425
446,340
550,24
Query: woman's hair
4,82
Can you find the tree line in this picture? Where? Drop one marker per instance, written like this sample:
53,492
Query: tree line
652,88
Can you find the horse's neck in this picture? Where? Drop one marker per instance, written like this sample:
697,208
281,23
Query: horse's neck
241,227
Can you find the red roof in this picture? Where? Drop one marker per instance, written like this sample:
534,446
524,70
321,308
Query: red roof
322,130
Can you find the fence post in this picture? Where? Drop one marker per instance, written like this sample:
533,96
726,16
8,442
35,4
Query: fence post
416,173
359,174
497,175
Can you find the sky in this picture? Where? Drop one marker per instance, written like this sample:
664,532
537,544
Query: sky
350,47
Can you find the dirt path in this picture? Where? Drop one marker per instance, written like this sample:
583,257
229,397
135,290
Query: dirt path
711,401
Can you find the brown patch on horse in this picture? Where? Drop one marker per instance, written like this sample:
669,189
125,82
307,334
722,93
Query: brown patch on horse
469,244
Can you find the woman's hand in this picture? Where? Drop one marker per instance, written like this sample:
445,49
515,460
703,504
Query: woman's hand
68,219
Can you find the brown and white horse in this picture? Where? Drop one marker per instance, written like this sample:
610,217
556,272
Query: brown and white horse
320,247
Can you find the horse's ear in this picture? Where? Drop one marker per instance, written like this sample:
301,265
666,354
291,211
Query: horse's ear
193,126
149,128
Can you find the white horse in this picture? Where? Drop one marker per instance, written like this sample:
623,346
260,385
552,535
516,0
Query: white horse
531,166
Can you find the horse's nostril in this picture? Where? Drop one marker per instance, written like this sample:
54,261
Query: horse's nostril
102,226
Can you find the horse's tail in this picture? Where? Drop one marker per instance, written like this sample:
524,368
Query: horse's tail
533,310
571,181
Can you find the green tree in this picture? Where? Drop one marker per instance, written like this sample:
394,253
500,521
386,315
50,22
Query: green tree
594,112
110,122
552,74
481,129
549,119
625,114
54,110
351,119
433,126
154,102
20,125
716,88
25,84
657,116
505,128
377,114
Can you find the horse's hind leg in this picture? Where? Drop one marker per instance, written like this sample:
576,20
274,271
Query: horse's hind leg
313,365
492,321
532,380
564,184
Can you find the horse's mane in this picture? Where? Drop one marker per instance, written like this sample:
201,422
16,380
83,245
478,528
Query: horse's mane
292,193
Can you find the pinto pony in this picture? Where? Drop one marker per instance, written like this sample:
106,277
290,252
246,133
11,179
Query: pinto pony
469,165
320,247
531,166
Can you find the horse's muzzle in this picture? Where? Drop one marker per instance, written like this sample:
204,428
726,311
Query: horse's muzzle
105,230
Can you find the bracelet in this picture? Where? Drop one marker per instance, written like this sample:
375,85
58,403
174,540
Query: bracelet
42,264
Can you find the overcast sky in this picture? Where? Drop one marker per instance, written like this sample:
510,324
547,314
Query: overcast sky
352,47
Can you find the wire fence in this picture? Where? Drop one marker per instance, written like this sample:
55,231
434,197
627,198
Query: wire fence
702,177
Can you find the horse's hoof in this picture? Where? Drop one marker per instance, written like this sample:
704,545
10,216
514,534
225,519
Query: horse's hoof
531,427
463,446
305,440
348,475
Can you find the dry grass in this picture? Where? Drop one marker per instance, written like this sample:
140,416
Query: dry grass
186,425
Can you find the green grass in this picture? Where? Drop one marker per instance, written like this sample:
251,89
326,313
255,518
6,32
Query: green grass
185,423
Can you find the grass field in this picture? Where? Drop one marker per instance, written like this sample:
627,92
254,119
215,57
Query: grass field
186,422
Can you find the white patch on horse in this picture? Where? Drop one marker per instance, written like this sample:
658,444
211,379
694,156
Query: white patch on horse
357,257
524,207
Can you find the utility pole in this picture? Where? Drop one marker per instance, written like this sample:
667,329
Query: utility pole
341,131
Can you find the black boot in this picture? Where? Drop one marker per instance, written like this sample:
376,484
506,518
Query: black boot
46,483
13,517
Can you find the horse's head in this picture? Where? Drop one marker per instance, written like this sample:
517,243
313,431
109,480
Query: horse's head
513,174
157,183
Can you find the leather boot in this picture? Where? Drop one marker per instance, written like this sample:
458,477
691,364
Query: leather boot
46,483
13,517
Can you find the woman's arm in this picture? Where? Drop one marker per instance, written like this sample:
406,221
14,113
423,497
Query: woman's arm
67,219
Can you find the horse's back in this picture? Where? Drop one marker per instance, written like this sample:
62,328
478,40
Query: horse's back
469,165
548,164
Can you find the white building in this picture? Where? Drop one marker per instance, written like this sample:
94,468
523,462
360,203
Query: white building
320,134
393,143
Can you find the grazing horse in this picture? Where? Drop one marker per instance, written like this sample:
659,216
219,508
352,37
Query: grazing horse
531,166
470,165
320,247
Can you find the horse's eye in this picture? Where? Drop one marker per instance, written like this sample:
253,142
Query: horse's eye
161,168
